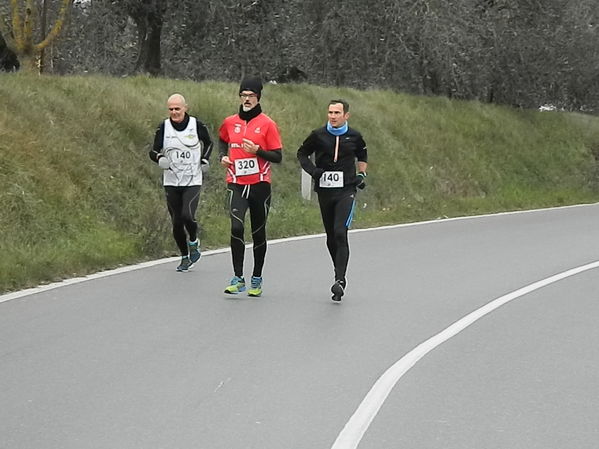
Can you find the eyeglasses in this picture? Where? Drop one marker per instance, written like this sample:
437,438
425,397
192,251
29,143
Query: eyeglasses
247,95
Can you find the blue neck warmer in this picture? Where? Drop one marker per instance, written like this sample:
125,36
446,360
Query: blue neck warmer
337,131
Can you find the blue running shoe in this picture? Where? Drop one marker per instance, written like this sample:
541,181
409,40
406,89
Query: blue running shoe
255,286
236,286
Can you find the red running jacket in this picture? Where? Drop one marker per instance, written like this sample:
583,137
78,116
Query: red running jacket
249,168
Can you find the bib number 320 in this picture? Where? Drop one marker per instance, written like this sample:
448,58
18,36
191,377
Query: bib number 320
246,166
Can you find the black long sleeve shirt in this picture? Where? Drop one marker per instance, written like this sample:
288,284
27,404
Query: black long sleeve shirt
322,143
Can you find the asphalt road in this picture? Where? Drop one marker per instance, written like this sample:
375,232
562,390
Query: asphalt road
151,358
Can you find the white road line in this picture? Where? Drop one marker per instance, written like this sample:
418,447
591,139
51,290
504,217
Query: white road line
43,288
354,429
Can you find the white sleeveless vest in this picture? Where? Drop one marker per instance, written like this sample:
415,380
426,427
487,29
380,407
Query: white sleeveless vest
184,151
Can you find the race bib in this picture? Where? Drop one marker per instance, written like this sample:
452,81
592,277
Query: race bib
330,179
246,166
181,157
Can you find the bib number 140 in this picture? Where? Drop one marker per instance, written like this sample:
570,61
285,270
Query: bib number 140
331,179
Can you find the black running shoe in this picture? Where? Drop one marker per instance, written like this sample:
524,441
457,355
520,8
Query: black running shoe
194,251
338,289
185,265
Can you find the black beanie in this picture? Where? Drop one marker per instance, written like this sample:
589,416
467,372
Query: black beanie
253,84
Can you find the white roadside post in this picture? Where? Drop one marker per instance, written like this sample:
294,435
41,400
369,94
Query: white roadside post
306,183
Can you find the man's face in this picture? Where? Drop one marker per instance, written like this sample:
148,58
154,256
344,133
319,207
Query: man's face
176,110
337,117
248,100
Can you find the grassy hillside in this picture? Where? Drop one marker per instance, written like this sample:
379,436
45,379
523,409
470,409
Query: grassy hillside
80,193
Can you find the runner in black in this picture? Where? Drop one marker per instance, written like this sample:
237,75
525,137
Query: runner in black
337,150
182,148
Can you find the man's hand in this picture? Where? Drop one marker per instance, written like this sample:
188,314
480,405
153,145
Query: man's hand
317,173
204,165
361,180
225,161
164,163
250,146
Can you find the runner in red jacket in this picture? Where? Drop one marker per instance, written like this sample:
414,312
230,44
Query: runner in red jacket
249,143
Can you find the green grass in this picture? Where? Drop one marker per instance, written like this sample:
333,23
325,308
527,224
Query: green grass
81,195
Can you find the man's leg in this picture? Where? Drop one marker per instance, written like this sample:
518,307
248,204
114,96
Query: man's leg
237,209
344,211
327,213
260,197
174,202
238,205
190,200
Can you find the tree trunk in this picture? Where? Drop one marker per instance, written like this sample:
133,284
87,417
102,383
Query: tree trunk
149,58
149,29
43,26
30,63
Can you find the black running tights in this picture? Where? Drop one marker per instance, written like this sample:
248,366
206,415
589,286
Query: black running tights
182,204
256,198
337,209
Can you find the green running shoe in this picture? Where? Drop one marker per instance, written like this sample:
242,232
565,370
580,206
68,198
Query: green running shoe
237,285
255,286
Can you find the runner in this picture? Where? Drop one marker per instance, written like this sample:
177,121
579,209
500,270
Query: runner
182,148
249,143
337,147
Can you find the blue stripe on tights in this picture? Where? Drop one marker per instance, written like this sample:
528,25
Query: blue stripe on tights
351,214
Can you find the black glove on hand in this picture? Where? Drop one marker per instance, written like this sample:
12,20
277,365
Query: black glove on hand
317,173
361,180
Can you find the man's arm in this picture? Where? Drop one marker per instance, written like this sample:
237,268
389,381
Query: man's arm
154,153
274,145
361,151
273,153
275,156
223,153
362,156
204,137
303,156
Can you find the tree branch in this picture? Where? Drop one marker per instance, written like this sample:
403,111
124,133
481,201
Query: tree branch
58,24
16,23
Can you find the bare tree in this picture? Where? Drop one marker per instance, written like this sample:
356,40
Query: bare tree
19,30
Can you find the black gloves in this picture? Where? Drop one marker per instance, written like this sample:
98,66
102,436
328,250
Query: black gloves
361,180
317,173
